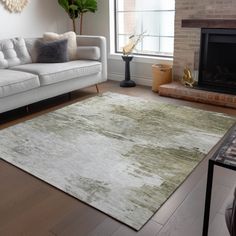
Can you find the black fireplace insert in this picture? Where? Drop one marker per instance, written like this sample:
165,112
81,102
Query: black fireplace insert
217,65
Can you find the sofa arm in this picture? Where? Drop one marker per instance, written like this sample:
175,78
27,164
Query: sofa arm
98,41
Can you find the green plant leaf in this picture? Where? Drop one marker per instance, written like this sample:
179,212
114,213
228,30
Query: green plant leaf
64,4
86,5
73,11
70,8
73,7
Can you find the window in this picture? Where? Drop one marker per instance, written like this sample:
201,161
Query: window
154,17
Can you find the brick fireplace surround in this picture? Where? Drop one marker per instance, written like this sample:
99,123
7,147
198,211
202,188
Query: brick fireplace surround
191,16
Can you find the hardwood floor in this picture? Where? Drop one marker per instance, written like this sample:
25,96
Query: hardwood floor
29,206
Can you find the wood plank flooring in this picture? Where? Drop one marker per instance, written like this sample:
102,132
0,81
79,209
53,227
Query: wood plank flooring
29,206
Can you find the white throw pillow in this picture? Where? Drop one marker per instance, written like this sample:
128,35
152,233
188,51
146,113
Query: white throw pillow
72,44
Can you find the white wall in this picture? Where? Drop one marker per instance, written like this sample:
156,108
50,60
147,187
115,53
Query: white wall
36,18
98,24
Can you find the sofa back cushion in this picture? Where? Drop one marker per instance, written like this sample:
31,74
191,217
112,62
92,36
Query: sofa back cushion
13,52
30,45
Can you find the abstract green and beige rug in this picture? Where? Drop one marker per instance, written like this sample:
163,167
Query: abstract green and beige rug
122,155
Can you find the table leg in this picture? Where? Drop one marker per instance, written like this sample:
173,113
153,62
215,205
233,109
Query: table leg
208,198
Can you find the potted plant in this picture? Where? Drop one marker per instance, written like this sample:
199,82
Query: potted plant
76,8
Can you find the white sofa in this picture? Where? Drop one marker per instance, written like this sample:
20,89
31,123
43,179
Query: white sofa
23,82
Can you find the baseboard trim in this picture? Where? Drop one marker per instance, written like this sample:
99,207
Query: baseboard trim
139,80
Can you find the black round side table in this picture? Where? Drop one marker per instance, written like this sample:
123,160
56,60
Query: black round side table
127,82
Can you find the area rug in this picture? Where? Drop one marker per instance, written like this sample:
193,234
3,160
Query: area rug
122,155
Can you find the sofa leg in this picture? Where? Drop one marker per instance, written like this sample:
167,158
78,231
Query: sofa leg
27,109
97,88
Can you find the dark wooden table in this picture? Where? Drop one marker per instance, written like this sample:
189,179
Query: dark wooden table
225,156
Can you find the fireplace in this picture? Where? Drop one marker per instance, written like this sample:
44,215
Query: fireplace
217,69
217,66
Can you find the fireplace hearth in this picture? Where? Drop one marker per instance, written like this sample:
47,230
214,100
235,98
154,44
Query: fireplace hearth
217,66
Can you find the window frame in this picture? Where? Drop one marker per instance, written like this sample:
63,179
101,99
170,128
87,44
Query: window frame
135,53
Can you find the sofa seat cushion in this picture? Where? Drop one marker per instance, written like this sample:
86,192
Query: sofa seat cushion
13,82
51,73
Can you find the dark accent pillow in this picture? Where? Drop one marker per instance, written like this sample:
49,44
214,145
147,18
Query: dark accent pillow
52,52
